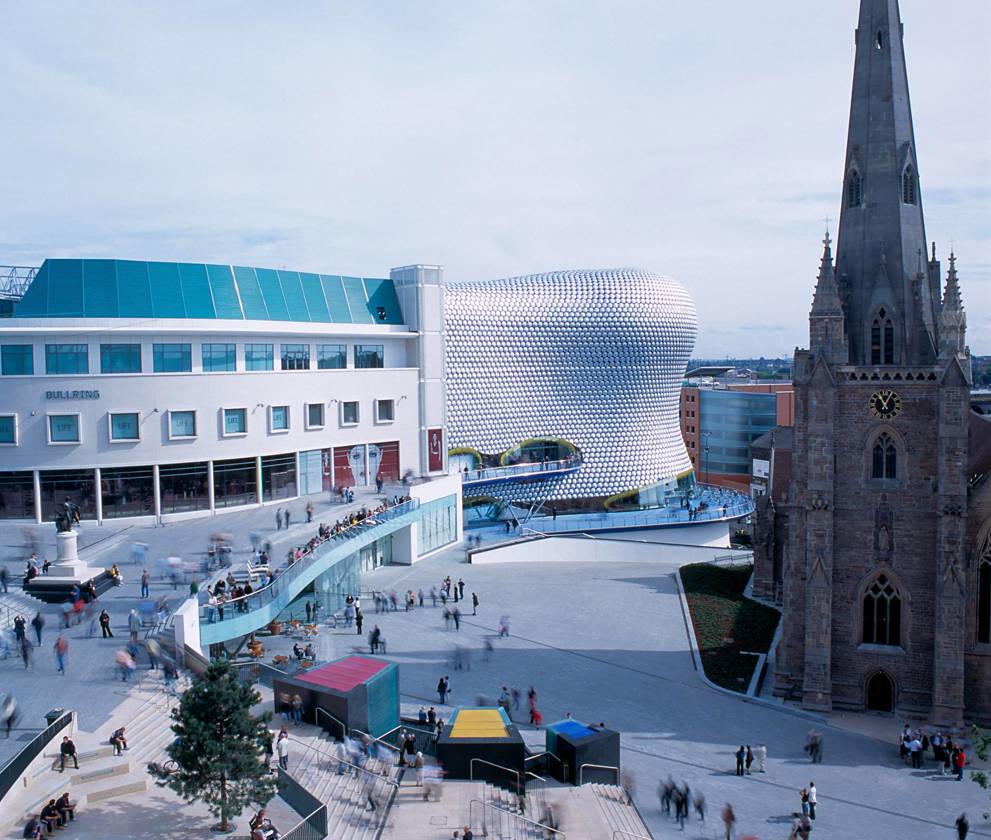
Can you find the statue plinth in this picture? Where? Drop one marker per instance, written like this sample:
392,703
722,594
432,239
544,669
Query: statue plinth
68,566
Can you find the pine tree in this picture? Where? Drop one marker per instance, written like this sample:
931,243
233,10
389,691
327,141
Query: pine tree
218,746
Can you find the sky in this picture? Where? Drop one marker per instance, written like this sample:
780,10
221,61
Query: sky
702,140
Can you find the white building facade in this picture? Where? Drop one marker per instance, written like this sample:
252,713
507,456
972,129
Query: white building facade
165,390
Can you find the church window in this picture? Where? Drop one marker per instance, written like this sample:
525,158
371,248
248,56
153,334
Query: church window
984,592
879,43
884,458
882,339
882,613
855,189
908,185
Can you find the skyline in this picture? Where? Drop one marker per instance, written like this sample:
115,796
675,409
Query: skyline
494,141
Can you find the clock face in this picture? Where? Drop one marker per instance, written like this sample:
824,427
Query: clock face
884,404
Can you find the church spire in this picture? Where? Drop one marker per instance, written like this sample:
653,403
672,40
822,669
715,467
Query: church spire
881,221
826,318
952,318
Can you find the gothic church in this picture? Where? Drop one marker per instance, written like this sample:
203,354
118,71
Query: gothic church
879,550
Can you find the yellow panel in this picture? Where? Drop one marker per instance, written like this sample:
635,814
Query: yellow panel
479,723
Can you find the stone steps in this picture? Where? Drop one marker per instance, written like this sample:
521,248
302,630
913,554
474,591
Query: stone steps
617,809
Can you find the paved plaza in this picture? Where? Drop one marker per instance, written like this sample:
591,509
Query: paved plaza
604,641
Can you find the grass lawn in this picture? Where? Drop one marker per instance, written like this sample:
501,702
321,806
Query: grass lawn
726,623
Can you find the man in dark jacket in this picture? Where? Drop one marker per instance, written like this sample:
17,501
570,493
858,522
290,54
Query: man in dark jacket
67,750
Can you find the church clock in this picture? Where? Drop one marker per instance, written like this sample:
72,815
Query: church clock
884,404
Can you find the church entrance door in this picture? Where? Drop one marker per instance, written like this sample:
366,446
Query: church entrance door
880,693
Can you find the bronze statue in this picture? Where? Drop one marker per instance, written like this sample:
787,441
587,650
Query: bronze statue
66,514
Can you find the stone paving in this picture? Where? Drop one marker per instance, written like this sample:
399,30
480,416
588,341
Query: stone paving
606,642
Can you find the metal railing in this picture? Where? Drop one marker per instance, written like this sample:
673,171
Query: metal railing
545,755
508,816
14,769
471,771
620,832
313,827
318,710
387,780
526,469
581,771
228,610
300,799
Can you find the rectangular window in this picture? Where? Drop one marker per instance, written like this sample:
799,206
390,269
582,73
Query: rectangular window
125,426
369,356
235,421
8,429
295,356
279,418
63,428
385,411
219,357
332,356
120,358
66,358
258,357
349,413
182,424
314,415
16,360
172,358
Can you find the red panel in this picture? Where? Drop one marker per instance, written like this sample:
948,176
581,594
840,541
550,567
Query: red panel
435,449
388,461
344,674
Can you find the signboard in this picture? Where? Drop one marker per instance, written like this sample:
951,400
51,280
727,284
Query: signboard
72,395
435,450
762,468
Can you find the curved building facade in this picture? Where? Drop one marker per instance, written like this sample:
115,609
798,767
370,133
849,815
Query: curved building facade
565,386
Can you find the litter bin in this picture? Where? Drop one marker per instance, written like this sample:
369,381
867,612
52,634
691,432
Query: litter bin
53,715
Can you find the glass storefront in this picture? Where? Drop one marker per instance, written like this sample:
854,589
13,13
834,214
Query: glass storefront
127,491
234,482
76,485
437,526
332,587
379,553
16,495
278,476
184,487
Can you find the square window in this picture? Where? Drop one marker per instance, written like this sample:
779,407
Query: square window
219,357
314,415
385,411
258,357
278,418
182,424
235,421
332,356
16,360
120,358
125,426
349,414
172,358
369,356
63,428
295,356
8,430
66,358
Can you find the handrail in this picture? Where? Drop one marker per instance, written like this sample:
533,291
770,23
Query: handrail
629,834
340,723
471,770
597,767
304,823
19,763
512,814
379,740
538,778
333,757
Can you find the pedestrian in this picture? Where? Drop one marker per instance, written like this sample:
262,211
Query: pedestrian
474,603
297,709
278,519
358,619
61,648
19,625
962,827
803,795
38,623
133,624
729,820
700,806
282,748
4,578
309,611
456,615
959,762
812,800
309,511
443,688
285,516
26,652
749,760
67,749
154,651
9,713
105,625
761,753
741,754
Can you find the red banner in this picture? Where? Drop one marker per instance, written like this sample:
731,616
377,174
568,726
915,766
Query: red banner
388,460
435,450
349,465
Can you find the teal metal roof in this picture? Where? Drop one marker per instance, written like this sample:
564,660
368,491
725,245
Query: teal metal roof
132,289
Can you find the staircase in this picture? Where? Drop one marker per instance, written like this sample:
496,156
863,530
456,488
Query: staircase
12,603
313,763
617,810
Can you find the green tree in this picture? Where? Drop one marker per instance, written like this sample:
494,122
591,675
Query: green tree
981,739
217,748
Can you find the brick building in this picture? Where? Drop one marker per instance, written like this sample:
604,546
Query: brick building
879,544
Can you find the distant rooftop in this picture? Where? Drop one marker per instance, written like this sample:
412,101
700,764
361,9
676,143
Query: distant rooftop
132,289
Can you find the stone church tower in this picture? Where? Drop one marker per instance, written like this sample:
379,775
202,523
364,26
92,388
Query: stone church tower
878,610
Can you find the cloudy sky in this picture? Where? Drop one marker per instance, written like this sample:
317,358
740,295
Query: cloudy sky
703,140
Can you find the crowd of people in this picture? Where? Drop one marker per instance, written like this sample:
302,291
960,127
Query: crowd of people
949,758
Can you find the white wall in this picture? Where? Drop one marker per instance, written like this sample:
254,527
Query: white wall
594,550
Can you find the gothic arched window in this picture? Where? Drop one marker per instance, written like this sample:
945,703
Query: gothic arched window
882,613
854,189
908,185
984,592
882,339
884,458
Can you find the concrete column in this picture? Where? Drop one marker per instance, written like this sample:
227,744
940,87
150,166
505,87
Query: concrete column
258,478
156,491
36,481
209,486
99,496
369,479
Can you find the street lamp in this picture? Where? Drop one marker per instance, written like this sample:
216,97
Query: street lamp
705,456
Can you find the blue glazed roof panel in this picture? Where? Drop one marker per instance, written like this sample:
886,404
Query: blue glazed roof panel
252,299
224,292
100,289
166,291
337,301
196,291
133,290
357,301
292,290
65,289
315,302
268,279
